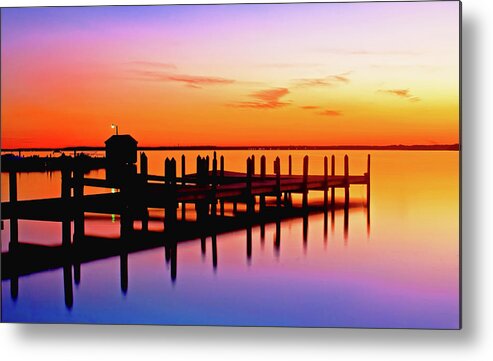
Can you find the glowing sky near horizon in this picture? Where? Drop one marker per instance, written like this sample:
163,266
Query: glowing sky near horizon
315,74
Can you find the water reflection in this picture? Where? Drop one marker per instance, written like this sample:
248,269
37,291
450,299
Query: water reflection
72,253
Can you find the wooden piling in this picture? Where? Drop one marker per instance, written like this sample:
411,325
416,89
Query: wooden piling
222,167
262,176
12,187
305,182
333,173
277,171
183,167
144,169
248,190
66,181
326,183
144,172
79,226
14,224
214,186
346,181
368,182
253,164
290,165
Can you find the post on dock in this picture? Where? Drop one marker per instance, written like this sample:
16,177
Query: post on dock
346,181
14,223
262,177
368,182
305,182
171,203
249,174
144,171
66,181
13,187
277,171
290,164
222,167
78,198
214,186
253,164
183,174
221,180
333,173
326,183
183,171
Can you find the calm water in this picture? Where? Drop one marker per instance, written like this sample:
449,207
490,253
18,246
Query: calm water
401,270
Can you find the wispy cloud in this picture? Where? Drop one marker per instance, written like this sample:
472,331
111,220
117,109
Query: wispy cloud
191,81
288,65
330,113
329,80
402,93
264,99
370,52
310,107
152,64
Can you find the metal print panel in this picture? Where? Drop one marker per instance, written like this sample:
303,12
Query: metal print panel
238,165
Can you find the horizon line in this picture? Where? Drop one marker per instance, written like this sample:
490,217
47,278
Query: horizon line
451,146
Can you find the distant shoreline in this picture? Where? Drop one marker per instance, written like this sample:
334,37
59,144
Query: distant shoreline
438,147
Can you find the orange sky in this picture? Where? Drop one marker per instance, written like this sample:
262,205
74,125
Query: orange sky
311,74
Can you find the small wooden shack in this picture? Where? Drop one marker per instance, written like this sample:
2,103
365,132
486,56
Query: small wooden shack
121,150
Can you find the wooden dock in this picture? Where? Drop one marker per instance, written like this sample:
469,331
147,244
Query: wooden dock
267,198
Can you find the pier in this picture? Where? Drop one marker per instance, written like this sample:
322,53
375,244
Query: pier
213,194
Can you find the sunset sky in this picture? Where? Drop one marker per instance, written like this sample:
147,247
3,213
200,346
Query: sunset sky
299,74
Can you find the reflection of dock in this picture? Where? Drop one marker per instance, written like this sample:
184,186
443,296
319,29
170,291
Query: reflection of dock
214,192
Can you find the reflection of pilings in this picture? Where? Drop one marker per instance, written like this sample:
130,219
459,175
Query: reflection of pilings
202,245
305,231
67,286
249,242
124,272
262,234
214,251
346,223
326,226
174,251
14,287
277,237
